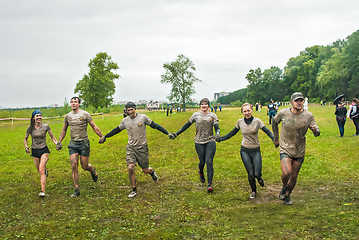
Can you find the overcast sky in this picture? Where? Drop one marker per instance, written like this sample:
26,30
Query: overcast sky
45,46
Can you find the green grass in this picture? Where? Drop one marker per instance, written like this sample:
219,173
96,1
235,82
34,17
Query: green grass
178,206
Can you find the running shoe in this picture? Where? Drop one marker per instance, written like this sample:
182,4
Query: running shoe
253,195
132,194
41,194
209,188
94,176
201,177
287,201
282,193
76,193
261,182
154,175
46,173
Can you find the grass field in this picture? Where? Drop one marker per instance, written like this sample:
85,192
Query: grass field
325,200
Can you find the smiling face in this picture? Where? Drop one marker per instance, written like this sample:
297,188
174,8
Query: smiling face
131,112
247,111
38,118
204,107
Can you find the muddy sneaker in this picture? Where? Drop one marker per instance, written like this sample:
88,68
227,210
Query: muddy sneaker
94,176
282,193
76,193
41,194
46,173
261,182
287,201
154,175
132,194
201,177
253,195
209,188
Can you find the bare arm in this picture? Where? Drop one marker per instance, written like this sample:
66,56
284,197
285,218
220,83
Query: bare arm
63,133
27,149
275,133
52,136
96,129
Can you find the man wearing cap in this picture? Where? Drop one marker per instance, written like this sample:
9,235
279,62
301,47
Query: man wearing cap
295,123
79,146
137,149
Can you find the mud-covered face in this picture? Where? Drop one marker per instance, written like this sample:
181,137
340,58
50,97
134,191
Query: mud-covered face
298,103
38,118
131,112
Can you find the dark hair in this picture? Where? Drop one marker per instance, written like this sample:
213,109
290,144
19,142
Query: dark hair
204,100
32,124
78,99
130,105
356,101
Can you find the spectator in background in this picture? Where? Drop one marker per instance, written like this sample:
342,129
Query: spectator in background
340,112
354,115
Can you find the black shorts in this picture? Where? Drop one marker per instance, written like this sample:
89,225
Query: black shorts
37,153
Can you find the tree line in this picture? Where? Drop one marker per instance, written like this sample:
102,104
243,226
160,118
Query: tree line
319,72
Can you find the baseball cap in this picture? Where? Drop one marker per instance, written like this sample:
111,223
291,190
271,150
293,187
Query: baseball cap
296,96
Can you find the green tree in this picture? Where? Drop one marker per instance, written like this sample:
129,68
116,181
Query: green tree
255,86
97,87
352,54
180,74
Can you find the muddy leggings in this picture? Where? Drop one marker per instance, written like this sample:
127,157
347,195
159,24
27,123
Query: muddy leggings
206,154
252,161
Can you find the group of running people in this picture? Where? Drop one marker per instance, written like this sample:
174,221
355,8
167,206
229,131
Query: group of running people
295,123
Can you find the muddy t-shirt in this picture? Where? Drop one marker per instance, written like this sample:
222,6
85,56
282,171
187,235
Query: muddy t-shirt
250,132
294,128
204,126
78,124
38,136
136,129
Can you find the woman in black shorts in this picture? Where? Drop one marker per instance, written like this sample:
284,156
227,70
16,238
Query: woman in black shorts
39,150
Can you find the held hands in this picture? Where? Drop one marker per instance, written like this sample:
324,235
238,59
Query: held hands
172,136
27,150
102,140
217,137
276,143
58,146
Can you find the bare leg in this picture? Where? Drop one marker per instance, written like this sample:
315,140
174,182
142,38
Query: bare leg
86,165
132,176
74,158
42,166
293,177
286,165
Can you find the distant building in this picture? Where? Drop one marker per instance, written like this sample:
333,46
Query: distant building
221,94
140,102
153,105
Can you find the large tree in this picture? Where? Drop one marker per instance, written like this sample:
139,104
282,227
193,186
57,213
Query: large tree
180,74
97,87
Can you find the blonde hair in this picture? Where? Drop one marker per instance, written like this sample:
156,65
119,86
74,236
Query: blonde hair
244,105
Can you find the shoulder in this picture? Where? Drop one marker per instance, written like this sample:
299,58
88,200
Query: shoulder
45,125
83,112
257,120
